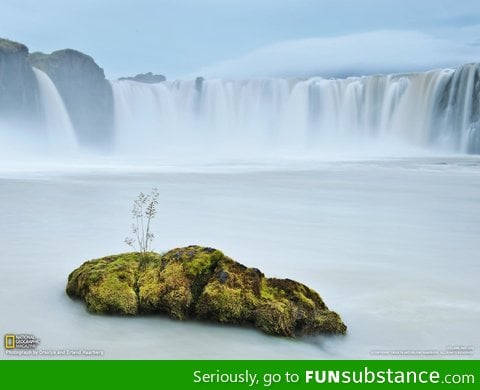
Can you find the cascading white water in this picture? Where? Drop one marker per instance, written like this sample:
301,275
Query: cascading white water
434,109
59,128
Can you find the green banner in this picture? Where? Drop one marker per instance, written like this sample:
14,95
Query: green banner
257,374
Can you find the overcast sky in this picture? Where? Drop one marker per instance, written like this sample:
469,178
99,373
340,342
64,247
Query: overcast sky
251,38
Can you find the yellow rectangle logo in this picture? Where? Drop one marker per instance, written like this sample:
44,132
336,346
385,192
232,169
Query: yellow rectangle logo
10,341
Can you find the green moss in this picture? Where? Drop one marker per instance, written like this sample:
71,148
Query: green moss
269,292
175,296
221,303
164,287
173,286
231,295
329,322
149,290
203,283
201,263
112,295
276,318
107,284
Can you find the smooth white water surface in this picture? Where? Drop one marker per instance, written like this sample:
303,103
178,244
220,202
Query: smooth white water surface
392,245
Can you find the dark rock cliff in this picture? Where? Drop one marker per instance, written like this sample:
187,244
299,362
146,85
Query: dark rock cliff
18,85
84,90
148,78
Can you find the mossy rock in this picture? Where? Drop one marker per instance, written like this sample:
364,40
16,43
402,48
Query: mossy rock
200,282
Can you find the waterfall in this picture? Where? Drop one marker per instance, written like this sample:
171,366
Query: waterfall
436,109
58,126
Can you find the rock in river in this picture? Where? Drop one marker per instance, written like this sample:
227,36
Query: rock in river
203,283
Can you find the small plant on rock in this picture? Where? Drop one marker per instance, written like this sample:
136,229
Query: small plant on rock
143,211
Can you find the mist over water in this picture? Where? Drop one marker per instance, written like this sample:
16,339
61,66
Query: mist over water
433,110
267,119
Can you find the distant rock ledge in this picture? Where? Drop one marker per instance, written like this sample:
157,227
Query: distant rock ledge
202,283
149,78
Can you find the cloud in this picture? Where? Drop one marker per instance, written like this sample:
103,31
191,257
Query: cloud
385,51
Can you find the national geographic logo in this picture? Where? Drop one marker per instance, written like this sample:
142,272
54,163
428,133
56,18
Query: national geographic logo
20,341
26,345
10,341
